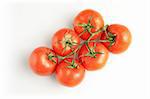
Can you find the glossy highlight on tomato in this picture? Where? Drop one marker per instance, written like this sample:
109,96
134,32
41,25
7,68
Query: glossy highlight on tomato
70,72
120,37
85,47
93,56
86,22
43,61
64,41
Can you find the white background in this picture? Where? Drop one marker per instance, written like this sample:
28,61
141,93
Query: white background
25,25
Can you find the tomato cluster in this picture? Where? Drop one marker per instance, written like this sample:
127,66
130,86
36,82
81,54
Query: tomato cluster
86,47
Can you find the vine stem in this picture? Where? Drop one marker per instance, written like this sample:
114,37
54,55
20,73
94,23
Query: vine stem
86,42
99,41
63,57
105,30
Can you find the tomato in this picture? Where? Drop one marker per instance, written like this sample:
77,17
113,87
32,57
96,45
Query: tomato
70,72
93,55
43,61
64,41
119,38
86,22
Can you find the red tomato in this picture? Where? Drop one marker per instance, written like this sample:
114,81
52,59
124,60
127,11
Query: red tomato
43,61
88,21
119,37
93,56
64,41
70,72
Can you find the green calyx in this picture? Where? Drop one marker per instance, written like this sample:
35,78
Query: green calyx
51,56
68,42
92,52
111,38
72,64
87,27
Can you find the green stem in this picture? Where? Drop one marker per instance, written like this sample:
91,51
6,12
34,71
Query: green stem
82,33
99,41
87,27
105,30
51,56
60,57
89,30
88,46
73,52
85,42
90,37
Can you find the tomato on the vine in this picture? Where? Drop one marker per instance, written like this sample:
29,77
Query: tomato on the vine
64,41
119,38
70,57
93,55
87,22
43,61
70,72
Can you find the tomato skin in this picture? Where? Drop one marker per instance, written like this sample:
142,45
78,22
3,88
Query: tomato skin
83,17
122,40
91,63
40,63
69,76
60,37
